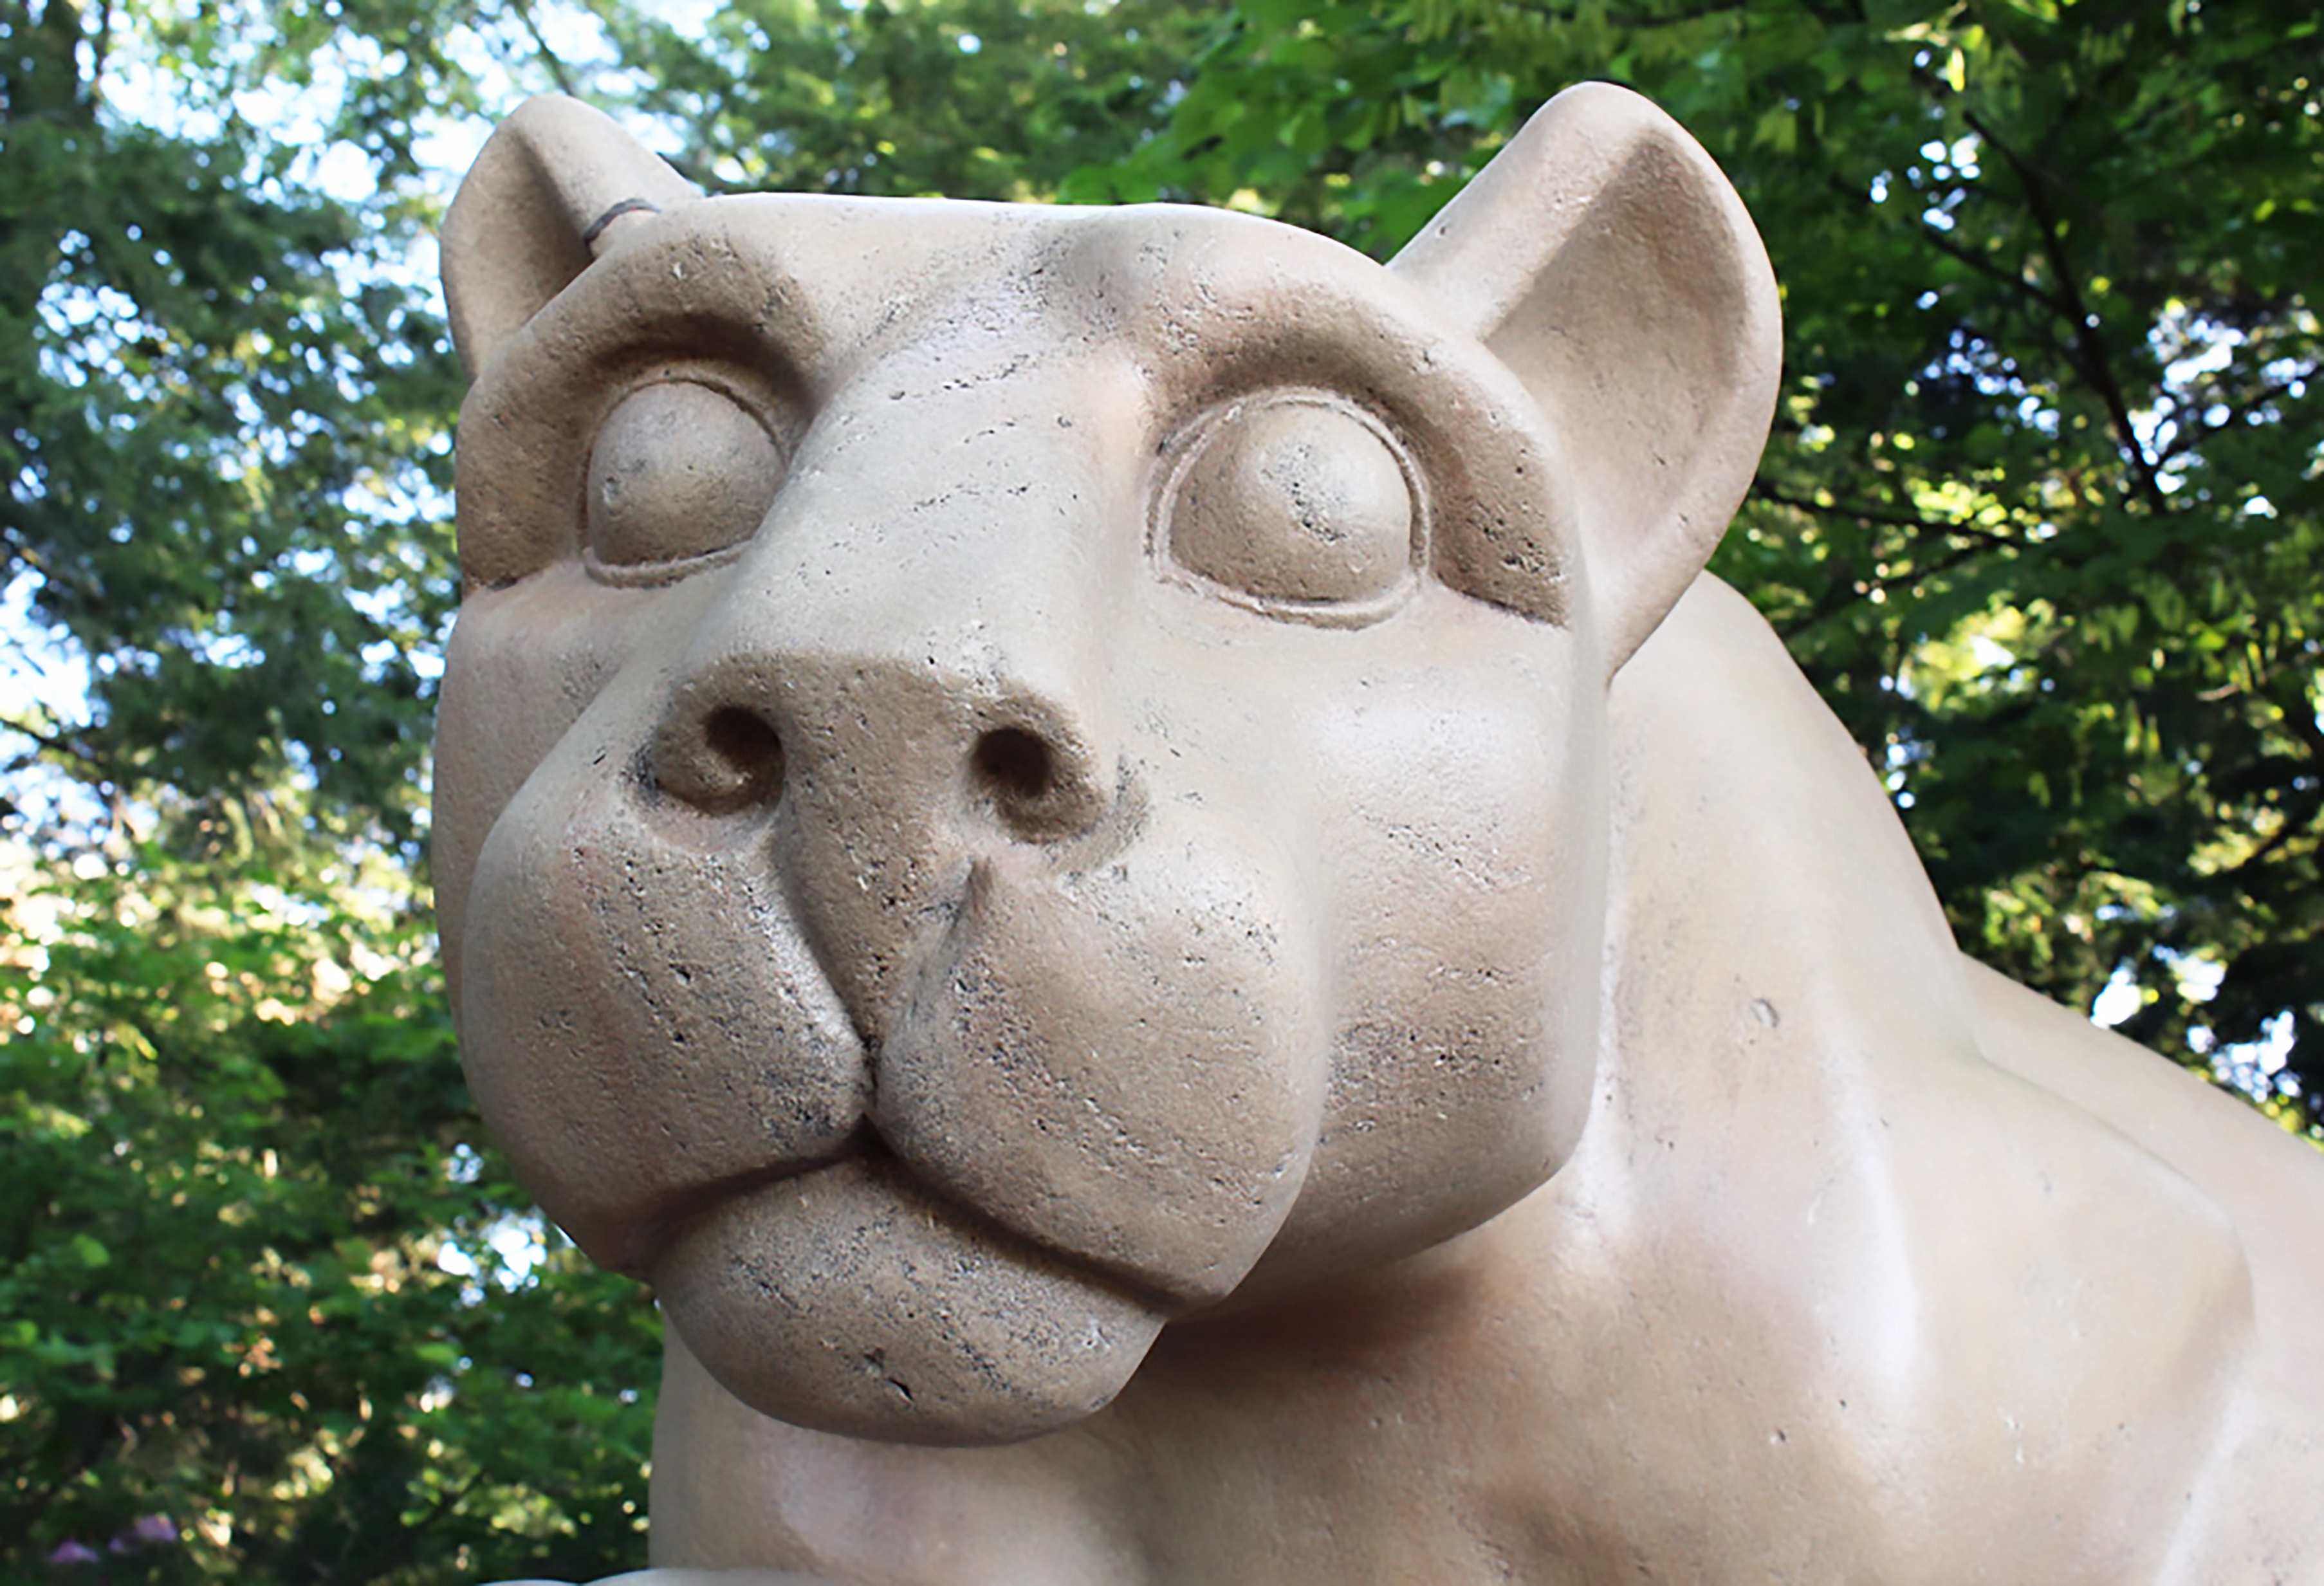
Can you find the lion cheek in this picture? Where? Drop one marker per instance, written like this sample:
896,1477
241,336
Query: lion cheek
1125,1066
641,1022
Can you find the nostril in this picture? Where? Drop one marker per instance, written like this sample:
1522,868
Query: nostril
1040,786
734,759
1015,766
744,740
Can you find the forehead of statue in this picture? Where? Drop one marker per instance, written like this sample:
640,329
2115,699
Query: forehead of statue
1192,293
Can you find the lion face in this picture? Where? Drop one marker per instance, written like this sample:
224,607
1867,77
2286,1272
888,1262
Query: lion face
1007,775
966,805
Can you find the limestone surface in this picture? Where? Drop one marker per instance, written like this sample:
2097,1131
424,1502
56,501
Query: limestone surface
1128,855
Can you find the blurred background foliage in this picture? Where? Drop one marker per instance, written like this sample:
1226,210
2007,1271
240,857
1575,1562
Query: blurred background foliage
2042,517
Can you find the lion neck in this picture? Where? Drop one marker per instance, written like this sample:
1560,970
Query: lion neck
1819,1278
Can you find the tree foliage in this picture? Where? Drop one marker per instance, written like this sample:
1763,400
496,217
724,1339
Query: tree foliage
253,1323
217,452
235,1178
2041,519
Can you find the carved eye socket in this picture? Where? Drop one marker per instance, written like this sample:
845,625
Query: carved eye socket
681,470
1294,497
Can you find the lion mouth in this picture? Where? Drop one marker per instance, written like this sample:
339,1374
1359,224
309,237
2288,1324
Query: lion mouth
868,1151
666,1223
848,1299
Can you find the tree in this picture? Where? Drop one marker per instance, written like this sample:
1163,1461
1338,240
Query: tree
236,1163
257,1323
214,473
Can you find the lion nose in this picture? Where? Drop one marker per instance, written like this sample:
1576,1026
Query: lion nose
725,747
873,787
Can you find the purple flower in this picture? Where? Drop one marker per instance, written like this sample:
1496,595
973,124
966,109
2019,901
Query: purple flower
74,1552
152,1531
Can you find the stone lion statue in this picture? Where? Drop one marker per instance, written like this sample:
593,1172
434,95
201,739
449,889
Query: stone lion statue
1128,855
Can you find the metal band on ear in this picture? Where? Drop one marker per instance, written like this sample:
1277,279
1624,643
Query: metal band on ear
522,228
626,207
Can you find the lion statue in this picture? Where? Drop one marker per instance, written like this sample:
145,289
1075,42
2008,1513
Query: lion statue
1130,858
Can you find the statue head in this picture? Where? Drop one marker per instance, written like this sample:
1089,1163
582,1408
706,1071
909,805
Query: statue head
1010,775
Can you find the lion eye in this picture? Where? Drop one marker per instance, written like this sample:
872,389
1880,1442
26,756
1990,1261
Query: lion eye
1296,497
680,470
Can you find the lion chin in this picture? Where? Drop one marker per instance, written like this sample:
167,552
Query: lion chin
849,1300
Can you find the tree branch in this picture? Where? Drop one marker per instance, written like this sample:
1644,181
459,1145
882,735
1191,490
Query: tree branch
19,548
52,742
100,44
1986,267
557,74
2048,302
2083,349
2190,434
1894,519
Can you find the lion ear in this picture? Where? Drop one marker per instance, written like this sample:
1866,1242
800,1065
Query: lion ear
1603,257
541,201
